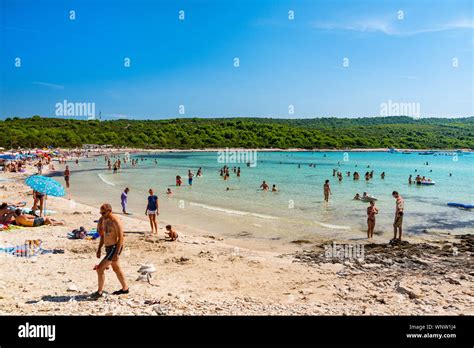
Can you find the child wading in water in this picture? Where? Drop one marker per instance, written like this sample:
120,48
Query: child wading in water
172,234
371,212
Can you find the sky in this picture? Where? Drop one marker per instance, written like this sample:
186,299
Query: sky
140,59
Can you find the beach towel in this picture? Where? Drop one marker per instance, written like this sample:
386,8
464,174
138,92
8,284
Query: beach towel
29,249
37,212
52,251
93,234
8,227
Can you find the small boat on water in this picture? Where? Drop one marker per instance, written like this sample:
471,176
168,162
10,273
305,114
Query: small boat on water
367,198
425,153
461,205
448,153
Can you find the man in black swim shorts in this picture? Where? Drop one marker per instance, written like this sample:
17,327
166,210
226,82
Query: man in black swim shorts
111,235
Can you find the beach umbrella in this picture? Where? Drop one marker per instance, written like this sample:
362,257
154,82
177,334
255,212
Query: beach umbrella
45,185
8,157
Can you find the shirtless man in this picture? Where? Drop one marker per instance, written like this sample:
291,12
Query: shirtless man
264,186
327,190
397,224
111,234
27,220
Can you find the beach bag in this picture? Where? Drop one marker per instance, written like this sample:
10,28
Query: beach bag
79,233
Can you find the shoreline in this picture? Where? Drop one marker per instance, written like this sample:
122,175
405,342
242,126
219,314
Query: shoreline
101,151
206,274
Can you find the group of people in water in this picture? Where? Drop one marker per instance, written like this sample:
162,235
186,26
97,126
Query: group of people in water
225,172
419,180
355,176
179,181
117,162
372,210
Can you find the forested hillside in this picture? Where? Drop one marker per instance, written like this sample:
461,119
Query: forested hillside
398,132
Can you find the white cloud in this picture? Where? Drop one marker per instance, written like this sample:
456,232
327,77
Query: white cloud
50,85
389,26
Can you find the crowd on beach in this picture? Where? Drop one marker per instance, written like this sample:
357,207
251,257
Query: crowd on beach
110,227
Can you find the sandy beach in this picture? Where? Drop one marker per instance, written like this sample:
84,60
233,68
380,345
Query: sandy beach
208,274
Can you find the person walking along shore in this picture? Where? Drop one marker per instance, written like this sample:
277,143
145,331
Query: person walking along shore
111,235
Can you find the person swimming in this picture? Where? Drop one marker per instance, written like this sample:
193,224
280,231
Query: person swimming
264,186
274,189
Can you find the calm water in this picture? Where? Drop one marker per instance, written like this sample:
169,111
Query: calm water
298,208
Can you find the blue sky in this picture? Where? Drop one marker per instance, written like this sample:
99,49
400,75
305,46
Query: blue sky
399,57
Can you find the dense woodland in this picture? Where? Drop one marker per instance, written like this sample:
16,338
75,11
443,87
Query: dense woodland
336,133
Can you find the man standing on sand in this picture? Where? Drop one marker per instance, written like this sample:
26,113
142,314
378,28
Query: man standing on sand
327,190
123,200
397,224
111,234
67,174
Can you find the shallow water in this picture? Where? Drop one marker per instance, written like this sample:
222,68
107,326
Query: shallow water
298,209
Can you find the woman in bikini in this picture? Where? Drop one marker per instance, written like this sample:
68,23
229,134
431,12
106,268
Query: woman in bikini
371,212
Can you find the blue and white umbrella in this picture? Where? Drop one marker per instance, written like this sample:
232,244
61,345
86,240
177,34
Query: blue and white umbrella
45,185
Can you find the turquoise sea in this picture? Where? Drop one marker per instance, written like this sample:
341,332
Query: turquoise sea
298,209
